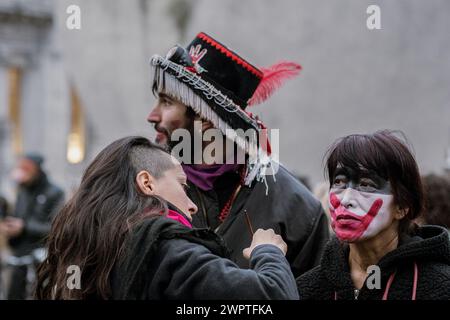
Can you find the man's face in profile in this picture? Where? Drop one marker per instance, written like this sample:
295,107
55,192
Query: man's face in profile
168,115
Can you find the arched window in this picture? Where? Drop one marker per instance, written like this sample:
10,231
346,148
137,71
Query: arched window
76,138
14,92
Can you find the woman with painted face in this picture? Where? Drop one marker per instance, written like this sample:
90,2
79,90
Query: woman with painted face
126,234
378,253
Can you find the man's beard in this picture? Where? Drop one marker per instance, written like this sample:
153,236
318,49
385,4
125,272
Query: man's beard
169,144
196,144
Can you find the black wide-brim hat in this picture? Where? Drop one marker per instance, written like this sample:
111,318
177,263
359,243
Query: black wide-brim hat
218,84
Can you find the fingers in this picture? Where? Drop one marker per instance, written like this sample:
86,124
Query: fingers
282,245
246,253
261,237
263,234
268,231
279,242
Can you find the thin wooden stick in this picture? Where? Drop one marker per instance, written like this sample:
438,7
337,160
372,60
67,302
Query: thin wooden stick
249,224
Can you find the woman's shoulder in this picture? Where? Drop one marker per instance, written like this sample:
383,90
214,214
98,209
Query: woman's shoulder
436,271
186,250
434,280
180,247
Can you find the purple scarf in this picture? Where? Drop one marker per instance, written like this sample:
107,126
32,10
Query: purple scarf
204,176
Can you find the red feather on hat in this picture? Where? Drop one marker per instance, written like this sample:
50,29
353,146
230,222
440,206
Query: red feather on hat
273,78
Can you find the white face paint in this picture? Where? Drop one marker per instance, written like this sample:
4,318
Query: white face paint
359,215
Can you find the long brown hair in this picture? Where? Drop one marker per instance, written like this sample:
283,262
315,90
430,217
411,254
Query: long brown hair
90,230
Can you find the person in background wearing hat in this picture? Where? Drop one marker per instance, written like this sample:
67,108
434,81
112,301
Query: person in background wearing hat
37,201
207,83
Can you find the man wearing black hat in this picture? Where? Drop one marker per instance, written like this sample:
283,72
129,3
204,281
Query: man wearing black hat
210,84
37,201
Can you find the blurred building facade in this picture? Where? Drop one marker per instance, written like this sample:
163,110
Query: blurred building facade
68,93
34,111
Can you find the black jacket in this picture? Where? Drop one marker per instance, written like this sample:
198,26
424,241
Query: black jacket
289,209
429,249
36,205
3,207
166,260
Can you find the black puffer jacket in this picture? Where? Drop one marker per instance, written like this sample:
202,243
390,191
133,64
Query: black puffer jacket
428,249
288,208
36,205
165,260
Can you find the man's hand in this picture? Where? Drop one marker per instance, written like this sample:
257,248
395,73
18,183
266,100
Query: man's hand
12,227
261,237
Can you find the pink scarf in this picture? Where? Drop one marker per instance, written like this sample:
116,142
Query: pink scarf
178,217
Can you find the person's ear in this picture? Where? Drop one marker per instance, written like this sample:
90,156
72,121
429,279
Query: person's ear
205,123
400,213
145,183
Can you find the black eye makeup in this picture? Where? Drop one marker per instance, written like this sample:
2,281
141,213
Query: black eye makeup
341,178
362,180
367,185
340,181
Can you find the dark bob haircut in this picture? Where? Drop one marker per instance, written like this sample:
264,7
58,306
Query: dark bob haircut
388,156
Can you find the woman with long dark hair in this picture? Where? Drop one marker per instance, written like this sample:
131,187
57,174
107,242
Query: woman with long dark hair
127,230
378,253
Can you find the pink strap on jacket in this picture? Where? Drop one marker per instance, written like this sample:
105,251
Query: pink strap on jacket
178,217
391,279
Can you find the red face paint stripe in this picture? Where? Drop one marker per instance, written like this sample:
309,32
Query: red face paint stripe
334,200
231,55
373,211
376,205
351,235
